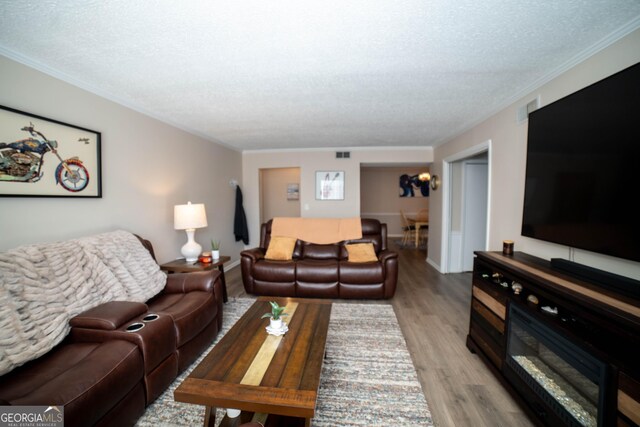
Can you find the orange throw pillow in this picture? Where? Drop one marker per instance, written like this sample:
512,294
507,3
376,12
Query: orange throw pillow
361,252
280,248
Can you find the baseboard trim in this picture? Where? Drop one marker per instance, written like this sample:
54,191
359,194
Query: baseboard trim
232,265
434,265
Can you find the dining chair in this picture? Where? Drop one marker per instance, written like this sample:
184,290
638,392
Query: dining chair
423,215
408,229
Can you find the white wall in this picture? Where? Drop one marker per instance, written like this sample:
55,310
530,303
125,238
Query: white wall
508,159
310,161
147,168
273,184
380,196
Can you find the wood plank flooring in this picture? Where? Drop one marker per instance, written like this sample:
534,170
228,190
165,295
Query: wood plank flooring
433,312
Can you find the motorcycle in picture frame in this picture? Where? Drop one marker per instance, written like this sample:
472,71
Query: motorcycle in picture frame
42,157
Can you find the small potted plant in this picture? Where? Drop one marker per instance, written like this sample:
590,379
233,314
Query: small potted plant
275,316
215,249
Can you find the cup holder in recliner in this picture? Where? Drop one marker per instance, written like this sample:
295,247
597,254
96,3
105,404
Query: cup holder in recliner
134,327
150,317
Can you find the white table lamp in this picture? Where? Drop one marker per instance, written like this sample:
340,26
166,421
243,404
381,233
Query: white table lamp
189,217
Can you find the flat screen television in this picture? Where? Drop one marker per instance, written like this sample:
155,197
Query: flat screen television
583,168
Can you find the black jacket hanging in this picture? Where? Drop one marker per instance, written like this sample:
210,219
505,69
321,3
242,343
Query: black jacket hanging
240,228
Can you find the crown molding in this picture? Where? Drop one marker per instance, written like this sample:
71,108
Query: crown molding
600,45
79,83
332,149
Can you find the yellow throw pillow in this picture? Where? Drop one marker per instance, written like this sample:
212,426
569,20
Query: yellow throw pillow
280,248
361,252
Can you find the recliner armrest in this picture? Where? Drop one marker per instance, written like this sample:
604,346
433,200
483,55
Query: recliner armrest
386,255
188,282
255,254
108,316
389,261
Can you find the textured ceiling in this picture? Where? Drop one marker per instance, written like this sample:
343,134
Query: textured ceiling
295,73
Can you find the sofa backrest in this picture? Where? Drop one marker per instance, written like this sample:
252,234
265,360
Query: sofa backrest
373,231
67,278
147,244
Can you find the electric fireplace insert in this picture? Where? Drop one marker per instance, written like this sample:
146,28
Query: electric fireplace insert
570,383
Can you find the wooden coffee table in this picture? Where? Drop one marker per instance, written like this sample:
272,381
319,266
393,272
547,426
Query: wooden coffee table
261,373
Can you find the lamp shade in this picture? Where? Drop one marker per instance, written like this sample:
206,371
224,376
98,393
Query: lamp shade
189,216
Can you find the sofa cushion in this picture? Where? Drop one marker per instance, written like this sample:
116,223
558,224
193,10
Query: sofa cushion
79,376
317,278
362,291
317,290
372,232
361,272
361,252
189,352
127,411
280,248
313,251
317,271
275,271
191,312
281,289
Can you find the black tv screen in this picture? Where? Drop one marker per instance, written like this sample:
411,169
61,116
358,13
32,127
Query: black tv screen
583,169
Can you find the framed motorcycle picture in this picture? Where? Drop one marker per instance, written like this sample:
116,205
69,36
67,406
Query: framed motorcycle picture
41,157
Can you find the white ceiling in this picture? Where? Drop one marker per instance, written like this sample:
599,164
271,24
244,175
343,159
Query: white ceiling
265,74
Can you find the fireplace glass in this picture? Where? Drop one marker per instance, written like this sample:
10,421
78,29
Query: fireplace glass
569,380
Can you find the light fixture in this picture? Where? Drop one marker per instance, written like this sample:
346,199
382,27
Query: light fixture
424,176
189,217
435,182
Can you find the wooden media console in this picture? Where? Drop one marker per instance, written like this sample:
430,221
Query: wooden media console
566,349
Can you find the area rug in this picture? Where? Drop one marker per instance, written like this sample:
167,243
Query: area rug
368,378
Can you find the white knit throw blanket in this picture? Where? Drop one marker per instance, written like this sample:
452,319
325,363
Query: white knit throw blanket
42,286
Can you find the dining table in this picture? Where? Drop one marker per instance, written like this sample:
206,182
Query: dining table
418,223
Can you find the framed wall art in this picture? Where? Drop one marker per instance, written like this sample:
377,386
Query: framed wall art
293,191
41,157
413,186
330,185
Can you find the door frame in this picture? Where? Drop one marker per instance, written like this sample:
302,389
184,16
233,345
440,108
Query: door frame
447,195
465,207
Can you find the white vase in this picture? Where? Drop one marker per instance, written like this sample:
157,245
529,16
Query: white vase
215,254
276,325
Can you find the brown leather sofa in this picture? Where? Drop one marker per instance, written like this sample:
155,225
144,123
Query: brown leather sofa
106,371
323,271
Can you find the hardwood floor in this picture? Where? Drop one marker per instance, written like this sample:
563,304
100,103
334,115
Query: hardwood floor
433,313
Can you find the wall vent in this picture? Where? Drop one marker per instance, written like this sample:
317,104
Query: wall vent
528,108
343,154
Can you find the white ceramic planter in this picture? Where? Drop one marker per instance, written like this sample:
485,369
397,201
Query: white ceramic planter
233,413
275,324
215,254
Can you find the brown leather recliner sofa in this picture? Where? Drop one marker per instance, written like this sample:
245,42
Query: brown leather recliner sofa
106,371
323,271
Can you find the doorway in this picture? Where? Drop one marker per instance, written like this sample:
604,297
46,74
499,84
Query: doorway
466,207
279,193
382,197
475,175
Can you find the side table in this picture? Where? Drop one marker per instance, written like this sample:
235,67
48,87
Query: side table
182,266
